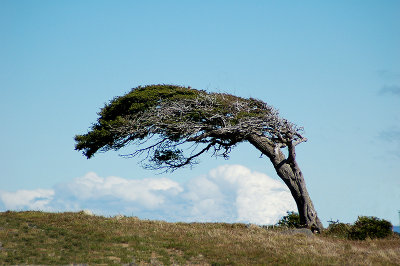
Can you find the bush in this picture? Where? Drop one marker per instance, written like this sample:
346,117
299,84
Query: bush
292,219
364,227
337,229
371,227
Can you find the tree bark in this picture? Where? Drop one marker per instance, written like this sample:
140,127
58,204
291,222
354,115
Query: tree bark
288,170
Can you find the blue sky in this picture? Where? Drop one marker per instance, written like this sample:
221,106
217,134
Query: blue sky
332,67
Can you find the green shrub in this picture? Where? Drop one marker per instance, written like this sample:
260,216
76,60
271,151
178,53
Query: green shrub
370,226
337,229
292,219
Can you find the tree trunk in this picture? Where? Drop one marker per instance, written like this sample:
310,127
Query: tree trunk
288,170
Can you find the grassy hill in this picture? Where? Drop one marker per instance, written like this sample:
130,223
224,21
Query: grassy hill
66,238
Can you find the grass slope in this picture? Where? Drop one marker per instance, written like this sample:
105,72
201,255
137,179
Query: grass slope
65,238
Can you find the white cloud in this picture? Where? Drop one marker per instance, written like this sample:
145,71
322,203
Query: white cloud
258,198
230,193
27,199
149,192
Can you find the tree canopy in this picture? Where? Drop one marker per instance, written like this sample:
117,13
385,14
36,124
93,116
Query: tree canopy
168,117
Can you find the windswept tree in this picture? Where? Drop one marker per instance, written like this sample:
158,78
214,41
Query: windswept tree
171,126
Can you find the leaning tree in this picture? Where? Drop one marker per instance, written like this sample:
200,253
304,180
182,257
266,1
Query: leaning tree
173,125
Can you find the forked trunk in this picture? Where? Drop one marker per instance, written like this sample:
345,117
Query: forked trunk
288,170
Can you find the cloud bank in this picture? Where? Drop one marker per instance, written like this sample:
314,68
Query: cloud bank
230,193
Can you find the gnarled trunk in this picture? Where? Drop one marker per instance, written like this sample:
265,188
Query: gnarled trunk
288,170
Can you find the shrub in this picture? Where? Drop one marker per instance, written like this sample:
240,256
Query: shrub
371,227
292,219
337,229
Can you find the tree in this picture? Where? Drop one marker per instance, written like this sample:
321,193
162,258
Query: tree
173,125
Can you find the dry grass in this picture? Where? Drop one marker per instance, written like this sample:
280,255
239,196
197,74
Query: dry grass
65,238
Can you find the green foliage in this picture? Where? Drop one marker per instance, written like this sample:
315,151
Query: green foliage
141,98
291,220
370,227
136,110
166,117
365,227
138,100
337,229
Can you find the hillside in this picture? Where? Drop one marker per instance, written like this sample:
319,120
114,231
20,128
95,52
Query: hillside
65,238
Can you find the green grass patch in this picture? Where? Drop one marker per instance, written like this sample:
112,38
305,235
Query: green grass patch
72,238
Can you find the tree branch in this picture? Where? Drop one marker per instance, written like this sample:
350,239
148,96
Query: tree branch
188,161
